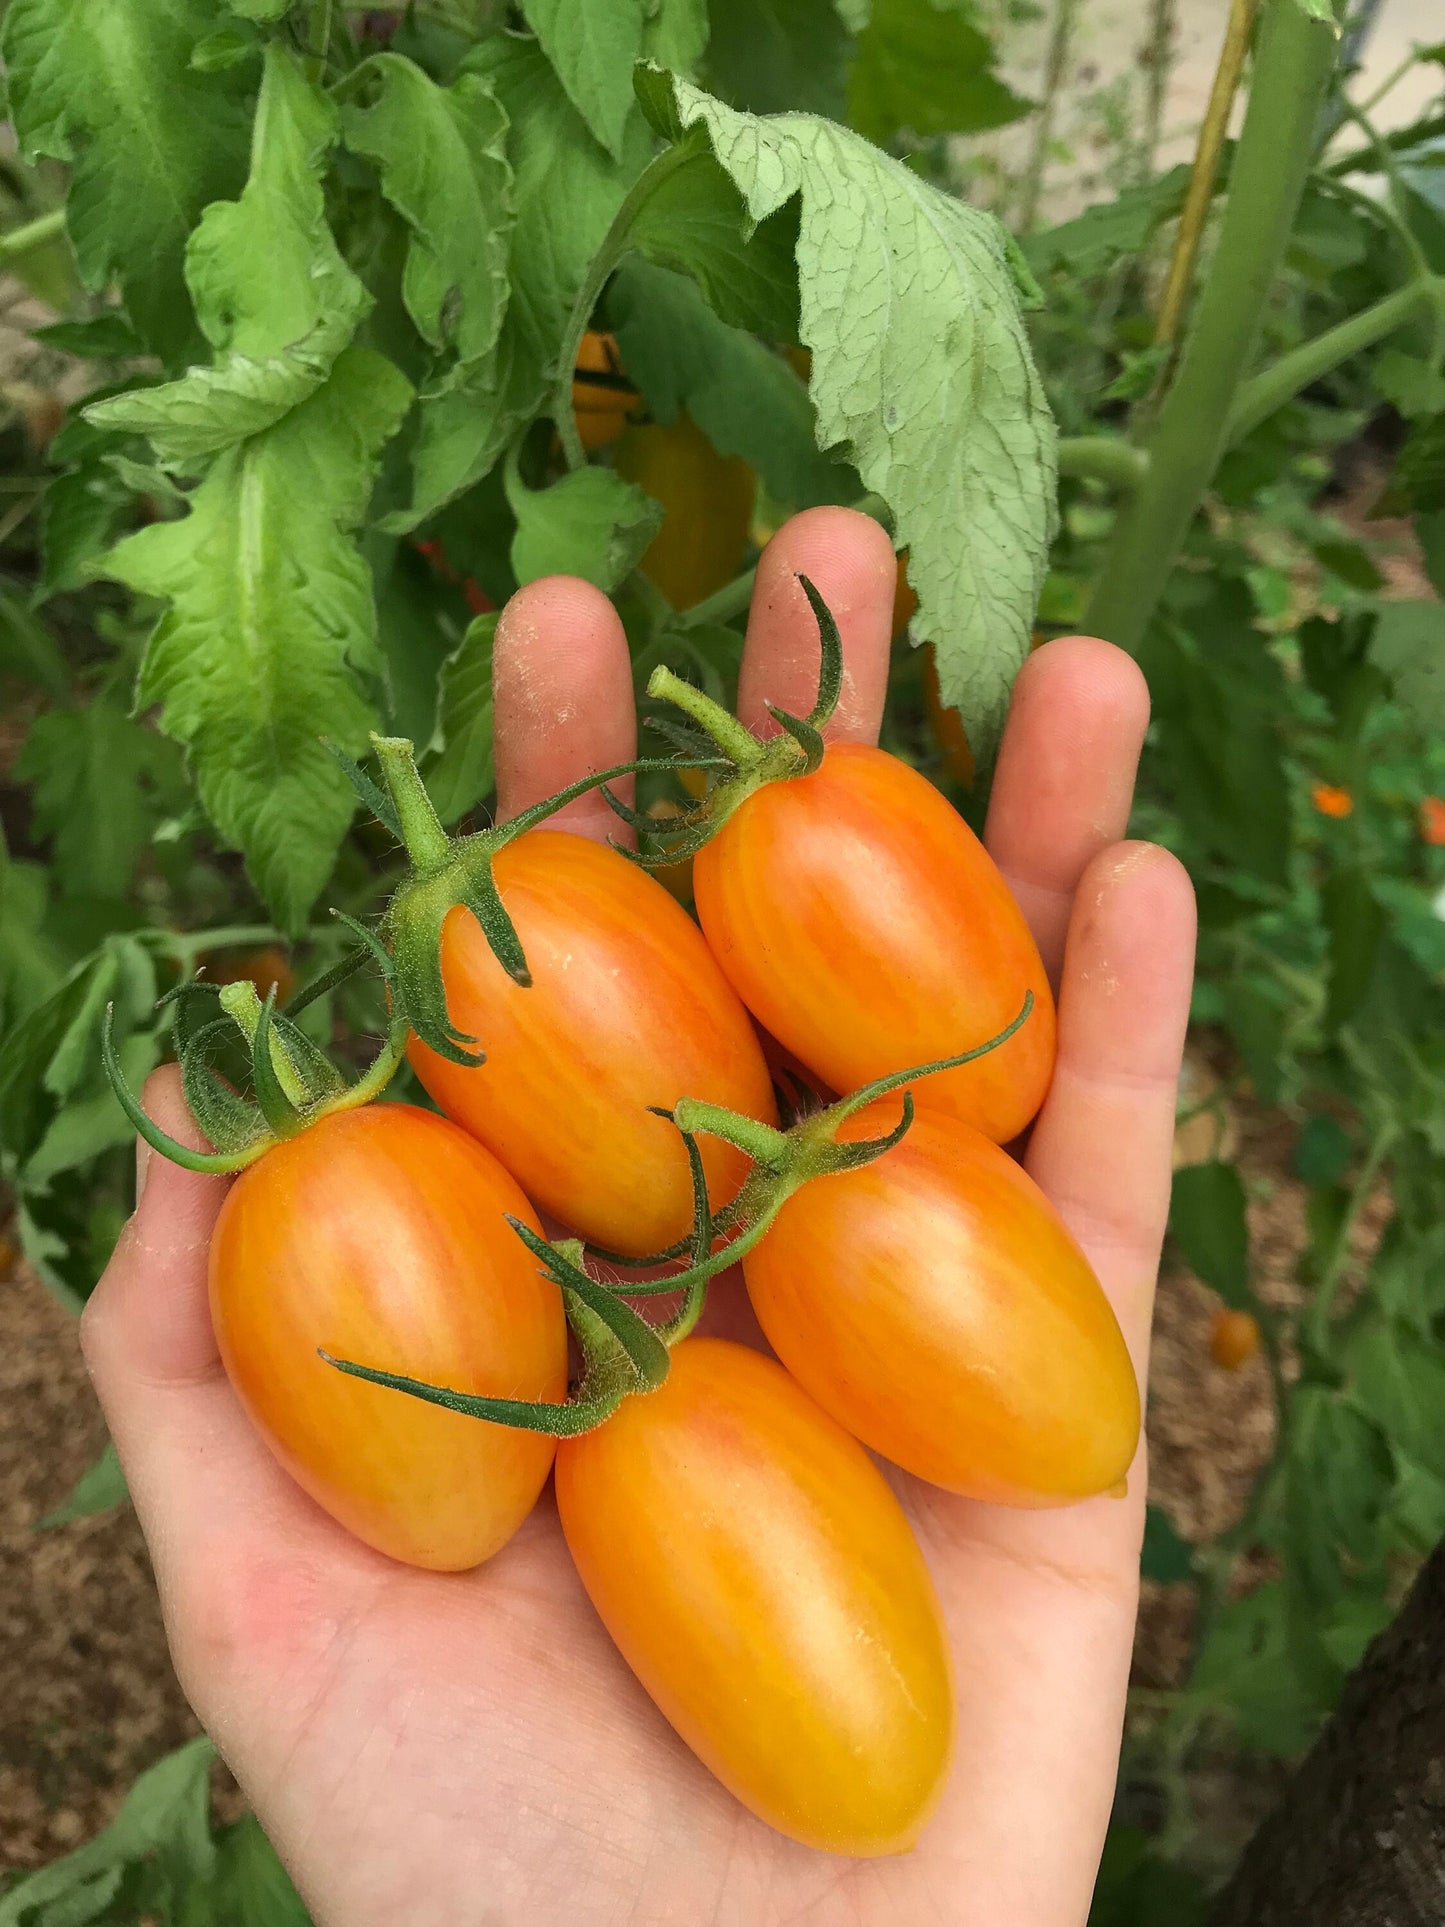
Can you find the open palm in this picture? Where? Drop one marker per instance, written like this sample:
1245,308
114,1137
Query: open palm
449,1750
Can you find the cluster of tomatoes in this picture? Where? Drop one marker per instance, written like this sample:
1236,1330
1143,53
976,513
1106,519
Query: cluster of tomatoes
921,1297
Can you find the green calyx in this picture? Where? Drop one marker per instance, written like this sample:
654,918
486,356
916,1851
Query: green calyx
447,872
743,762
293,1083
623,1354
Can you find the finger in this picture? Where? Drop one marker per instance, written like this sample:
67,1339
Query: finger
1065,777
1101,1147
849,560
562,702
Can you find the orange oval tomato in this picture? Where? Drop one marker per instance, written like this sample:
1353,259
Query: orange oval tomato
707,502
1233,1338
626,1009
601,396
863,923
761,1580
379,1236
935,1304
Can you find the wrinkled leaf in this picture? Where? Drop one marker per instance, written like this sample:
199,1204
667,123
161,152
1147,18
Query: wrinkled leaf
590,523
928,67
270,623
593,46
1207,1221
459,771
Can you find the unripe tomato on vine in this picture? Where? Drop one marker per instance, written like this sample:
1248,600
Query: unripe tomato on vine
707,502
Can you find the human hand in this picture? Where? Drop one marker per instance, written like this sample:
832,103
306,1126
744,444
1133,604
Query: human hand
452,1749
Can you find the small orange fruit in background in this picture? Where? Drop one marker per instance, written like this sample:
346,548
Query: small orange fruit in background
1330,800
1233,1338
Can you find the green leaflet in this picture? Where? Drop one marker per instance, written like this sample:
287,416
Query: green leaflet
272,293
927,65
744,397
776,56
566,190
922,374
99,1488
1409,645
675,34
92,771
593,46
459,769
441,152
590,523
165,1813
270,621
108,87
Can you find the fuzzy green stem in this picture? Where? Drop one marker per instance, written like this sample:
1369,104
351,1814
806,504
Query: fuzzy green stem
427,844
727,732
33,236
732,599
761,1142
1263,393
1104,458
1292,75
240,1002
615,244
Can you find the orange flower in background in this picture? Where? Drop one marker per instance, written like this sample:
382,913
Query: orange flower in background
1330,800
1432,820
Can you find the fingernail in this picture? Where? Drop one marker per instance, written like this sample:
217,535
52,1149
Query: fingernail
142,1168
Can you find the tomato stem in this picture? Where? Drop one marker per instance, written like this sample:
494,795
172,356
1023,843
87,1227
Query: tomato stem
764,1145
738,743
241,1003
427,844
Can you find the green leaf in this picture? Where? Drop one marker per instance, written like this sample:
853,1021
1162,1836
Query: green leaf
79,519
927,66
252,1888
593,45
1409,645
1323,1150
1397,1378
459,771
29,1098
272,293
1418,479
1110,231
779,56
675,33
269,625
151,141
98,1489
1430,532
29,971
1207,1221
1354,924
566,190
744,397
259,10
441,155
93,772
1410,383
591,523
27,648
1319,10
108,337
922,373
1249,1670
1337,1480
165,1813
228,46
1164,1555
1415,923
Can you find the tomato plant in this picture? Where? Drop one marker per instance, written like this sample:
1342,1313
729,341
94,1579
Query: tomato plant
726,1531
707,507
383,1232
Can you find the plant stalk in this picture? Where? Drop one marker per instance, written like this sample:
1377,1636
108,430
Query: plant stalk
33,236
1260,396
1195,211
1105,458
1061,39
1292,73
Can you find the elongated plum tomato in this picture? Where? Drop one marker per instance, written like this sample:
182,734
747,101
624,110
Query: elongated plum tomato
762,1582
379,1235
863,923
936,1305
626,1009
